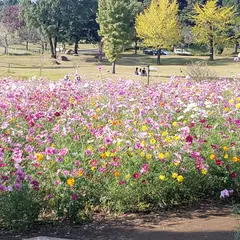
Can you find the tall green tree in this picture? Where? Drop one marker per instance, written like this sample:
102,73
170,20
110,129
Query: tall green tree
158,25
114,18
82,15
212,24
49,16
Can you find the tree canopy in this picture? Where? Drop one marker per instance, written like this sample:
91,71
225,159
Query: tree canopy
114,18
212,23
158,24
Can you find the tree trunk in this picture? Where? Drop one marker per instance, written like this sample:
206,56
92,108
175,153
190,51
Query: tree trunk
5,50
76,46
113,67
211,50
42,45
27,46
236,47
53,46
100,51
158,56
45,46
64,47
136,46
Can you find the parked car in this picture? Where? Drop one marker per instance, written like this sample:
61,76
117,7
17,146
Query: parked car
180,51
155,52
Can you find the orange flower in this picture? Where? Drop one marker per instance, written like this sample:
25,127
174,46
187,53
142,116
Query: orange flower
95,116
116,122
117,174
80,173
162,104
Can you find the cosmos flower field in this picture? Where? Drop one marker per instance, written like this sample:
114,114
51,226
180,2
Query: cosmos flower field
118,146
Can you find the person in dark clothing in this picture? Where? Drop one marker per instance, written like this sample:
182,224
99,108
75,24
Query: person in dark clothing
144,72
136,71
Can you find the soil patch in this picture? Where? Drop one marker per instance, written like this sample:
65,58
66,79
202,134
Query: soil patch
204,223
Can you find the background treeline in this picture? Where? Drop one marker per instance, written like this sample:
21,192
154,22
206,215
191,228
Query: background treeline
112,23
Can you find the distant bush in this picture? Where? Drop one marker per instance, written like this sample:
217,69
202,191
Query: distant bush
199,71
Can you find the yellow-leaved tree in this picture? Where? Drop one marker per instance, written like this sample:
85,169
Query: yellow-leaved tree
212,23
158,25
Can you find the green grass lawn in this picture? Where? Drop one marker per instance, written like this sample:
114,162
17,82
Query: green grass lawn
25,66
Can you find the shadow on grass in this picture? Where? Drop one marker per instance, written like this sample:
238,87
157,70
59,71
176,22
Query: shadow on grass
141,60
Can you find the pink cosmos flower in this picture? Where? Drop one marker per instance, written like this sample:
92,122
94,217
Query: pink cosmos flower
99,68
50,151
122,183
63,152
236,59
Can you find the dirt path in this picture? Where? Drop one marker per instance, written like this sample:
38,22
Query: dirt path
212,224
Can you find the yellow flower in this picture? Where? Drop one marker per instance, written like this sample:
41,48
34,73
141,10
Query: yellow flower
149,156
162,177
238,105
90,148
39,156
204,171
174,124
177,138
12,120
152,141
226,156
150,134
225,148
9,131
103,155
180,178
127,176
144,128
107,153
212,156
142,154
231,101
238,99
176,163
226,109
174,175
161,156
164,134
167,139
70,182
98,110
93,168
117,174
71,100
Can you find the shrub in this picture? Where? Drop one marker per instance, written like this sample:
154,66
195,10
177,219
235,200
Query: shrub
19,209
199,71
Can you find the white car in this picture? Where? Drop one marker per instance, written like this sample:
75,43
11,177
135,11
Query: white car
180,51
